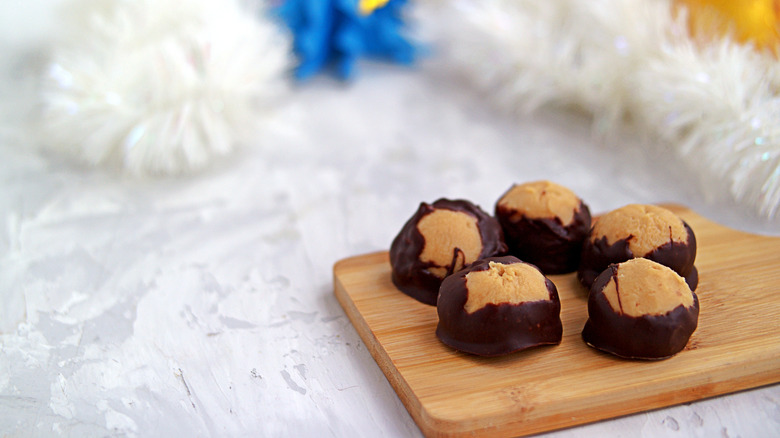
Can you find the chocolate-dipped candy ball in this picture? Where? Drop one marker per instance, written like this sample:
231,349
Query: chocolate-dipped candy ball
638,230
498,305
545,224
439,239
640,309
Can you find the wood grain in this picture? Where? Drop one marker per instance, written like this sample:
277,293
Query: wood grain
736,346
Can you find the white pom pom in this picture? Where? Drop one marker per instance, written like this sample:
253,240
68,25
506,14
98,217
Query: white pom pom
160,86
628,63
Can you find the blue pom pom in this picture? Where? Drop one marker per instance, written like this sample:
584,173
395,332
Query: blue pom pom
336,33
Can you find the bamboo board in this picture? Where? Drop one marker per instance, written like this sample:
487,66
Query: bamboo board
736,346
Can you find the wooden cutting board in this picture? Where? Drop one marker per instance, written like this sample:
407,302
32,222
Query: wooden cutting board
736,346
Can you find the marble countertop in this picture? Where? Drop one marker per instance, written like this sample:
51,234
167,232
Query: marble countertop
203,305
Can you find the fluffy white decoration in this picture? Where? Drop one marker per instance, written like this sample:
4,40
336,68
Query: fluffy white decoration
160,86
628,63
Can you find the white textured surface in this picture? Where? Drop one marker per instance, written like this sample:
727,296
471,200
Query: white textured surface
203,306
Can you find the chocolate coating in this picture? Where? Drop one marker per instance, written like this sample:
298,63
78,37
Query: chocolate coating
598,254
495,329
546,242
412,275
636,337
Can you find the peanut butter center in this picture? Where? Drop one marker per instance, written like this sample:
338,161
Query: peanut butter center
541,200
644,287
452,240
646,226
514,284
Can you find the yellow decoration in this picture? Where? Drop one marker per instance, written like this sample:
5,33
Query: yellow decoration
368,6
754,21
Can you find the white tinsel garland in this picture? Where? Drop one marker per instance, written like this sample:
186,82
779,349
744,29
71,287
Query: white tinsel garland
627,61
160,86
